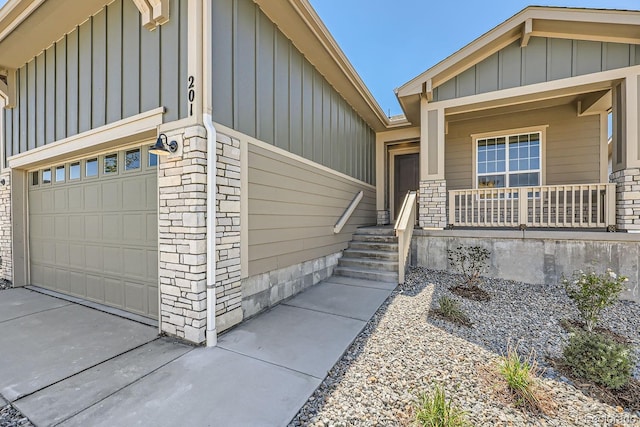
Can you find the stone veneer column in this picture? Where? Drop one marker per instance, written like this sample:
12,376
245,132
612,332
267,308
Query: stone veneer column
182,182
6,261
228,266
432,202
383,217
627,198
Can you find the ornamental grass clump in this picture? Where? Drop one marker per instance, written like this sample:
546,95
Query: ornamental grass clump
450,310
593,293
521,375
600,359
436,410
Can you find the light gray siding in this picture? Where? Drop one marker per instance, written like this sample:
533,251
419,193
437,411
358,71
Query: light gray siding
543,60
572,145
264,87
107,69
293,208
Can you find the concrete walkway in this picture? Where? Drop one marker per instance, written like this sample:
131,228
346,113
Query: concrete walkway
65,364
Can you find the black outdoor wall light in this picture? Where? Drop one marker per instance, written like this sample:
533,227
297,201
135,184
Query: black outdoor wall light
163,146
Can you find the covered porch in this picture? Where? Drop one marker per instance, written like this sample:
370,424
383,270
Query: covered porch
560,158
523,128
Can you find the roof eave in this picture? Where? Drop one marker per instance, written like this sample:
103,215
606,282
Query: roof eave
506,33
300,23
19,43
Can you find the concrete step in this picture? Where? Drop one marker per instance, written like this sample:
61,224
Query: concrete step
385,255
373,246
377,231
375,238
359,273
371,264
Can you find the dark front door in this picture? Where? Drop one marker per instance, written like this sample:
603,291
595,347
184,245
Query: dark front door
407,178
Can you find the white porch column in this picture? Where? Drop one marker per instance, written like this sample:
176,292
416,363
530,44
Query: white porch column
626,153
433,186
381,182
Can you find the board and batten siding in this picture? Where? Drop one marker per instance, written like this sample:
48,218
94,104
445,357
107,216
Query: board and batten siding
106,69
293,207
572,145
542,60
264,87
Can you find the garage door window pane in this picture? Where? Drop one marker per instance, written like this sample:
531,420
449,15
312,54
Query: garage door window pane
153,159
74,170
111,163
91,167
46,176
132,160
34,178
60,172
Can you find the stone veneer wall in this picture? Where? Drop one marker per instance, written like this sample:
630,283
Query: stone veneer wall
182,182
383,218
432,202
228,267
182,243
6,263
265,290
627,198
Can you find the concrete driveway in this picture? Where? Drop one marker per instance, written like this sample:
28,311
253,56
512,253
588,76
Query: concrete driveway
65,364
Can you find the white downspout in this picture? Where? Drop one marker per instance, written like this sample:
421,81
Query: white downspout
211,334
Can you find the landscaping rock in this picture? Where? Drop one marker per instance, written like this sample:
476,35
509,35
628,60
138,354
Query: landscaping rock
403,351
11,417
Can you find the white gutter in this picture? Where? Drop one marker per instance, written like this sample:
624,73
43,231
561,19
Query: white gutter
211,334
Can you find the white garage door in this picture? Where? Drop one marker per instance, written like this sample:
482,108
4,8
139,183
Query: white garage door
93,229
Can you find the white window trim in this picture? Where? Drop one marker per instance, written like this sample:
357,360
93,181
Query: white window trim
542,129
104,138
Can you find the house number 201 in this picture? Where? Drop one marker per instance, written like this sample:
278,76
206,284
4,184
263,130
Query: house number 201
191,95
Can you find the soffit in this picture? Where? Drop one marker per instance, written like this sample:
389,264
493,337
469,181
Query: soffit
300,23
52,19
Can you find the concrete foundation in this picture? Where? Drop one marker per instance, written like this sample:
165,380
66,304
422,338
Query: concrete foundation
536,256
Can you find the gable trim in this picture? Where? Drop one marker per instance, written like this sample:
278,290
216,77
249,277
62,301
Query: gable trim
545,22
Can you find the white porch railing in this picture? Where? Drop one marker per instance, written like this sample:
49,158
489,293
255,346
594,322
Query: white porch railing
404,231
570,206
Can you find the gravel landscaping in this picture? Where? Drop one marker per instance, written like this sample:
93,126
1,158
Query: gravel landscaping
10,417
403,351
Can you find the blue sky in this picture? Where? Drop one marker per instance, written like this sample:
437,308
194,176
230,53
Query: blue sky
390,42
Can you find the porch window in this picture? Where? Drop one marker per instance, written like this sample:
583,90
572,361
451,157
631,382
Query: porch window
508,161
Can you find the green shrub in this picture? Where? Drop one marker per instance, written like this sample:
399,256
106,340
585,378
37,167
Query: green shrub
450,309
592,293
436,411
471,262
600,359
